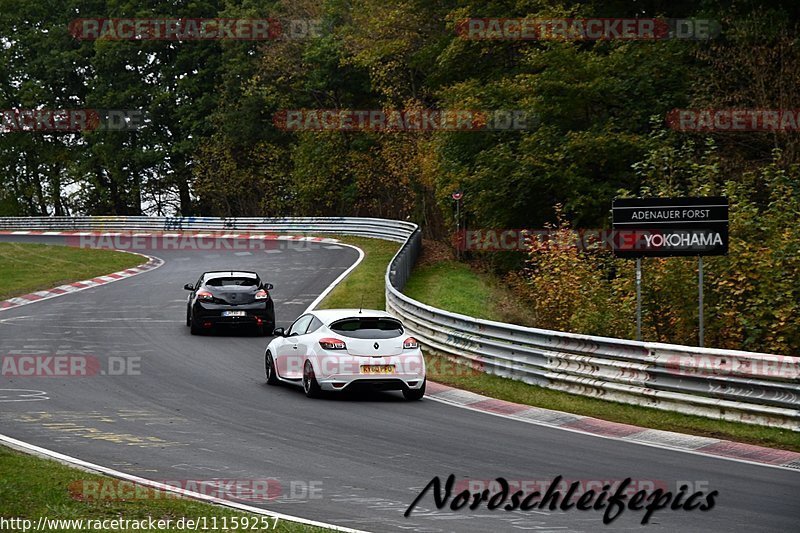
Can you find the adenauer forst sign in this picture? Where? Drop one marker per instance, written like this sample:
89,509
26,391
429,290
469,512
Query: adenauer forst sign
665,227
668,227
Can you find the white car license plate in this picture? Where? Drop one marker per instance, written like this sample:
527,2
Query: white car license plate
377,369
234,313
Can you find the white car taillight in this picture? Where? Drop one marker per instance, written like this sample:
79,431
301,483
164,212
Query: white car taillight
329,343
204,295
410,344
262,295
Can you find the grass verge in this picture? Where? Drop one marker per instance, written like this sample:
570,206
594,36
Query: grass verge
456,287
365,283
27,268
32,487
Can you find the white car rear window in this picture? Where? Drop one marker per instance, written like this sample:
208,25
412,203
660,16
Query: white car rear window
368,328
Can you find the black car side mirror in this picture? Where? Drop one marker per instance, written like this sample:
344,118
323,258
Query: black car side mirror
279,332
189,287
267,286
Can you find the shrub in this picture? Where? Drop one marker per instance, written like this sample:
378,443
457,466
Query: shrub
752,295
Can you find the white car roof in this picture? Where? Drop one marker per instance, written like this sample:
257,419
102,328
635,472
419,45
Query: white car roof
328,316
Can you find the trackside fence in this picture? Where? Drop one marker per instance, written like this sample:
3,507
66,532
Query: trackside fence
754,388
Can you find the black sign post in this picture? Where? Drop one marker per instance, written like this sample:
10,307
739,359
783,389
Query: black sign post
457,196
670,227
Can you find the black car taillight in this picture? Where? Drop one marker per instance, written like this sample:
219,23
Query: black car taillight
205,296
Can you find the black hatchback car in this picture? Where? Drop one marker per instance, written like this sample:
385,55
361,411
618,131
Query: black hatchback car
231,298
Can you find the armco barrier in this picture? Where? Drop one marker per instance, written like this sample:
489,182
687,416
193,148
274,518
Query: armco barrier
755,388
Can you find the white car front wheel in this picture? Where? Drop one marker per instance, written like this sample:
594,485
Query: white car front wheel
269,369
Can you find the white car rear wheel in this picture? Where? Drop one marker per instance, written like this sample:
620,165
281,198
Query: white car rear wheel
310,385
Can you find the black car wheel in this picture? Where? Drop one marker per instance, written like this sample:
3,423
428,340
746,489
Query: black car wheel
310,385
415,394
269,369
188,316
195,329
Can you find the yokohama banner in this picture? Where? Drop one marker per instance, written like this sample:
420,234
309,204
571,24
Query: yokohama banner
665,227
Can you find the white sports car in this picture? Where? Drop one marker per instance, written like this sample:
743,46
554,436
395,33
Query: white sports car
338,349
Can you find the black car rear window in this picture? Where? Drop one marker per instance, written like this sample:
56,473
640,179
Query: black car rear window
223,282
368,328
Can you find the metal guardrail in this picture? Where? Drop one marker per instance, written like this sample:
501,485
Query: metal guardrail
748,387
366,227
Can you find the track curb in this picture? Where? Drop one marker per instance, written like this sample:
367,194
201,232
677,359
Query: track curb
70,288
681,442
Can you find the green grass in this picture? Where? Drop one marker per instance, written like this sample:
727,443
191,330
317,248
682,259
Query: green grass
31,487
453,286
27,268
365,283
456,287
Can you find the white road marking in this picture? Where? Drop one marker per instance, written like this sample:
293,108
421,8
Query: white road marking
22,395
338,280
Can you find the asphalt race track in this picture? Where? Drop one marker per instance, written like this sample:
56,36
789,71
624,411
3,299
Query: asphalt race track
199,410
